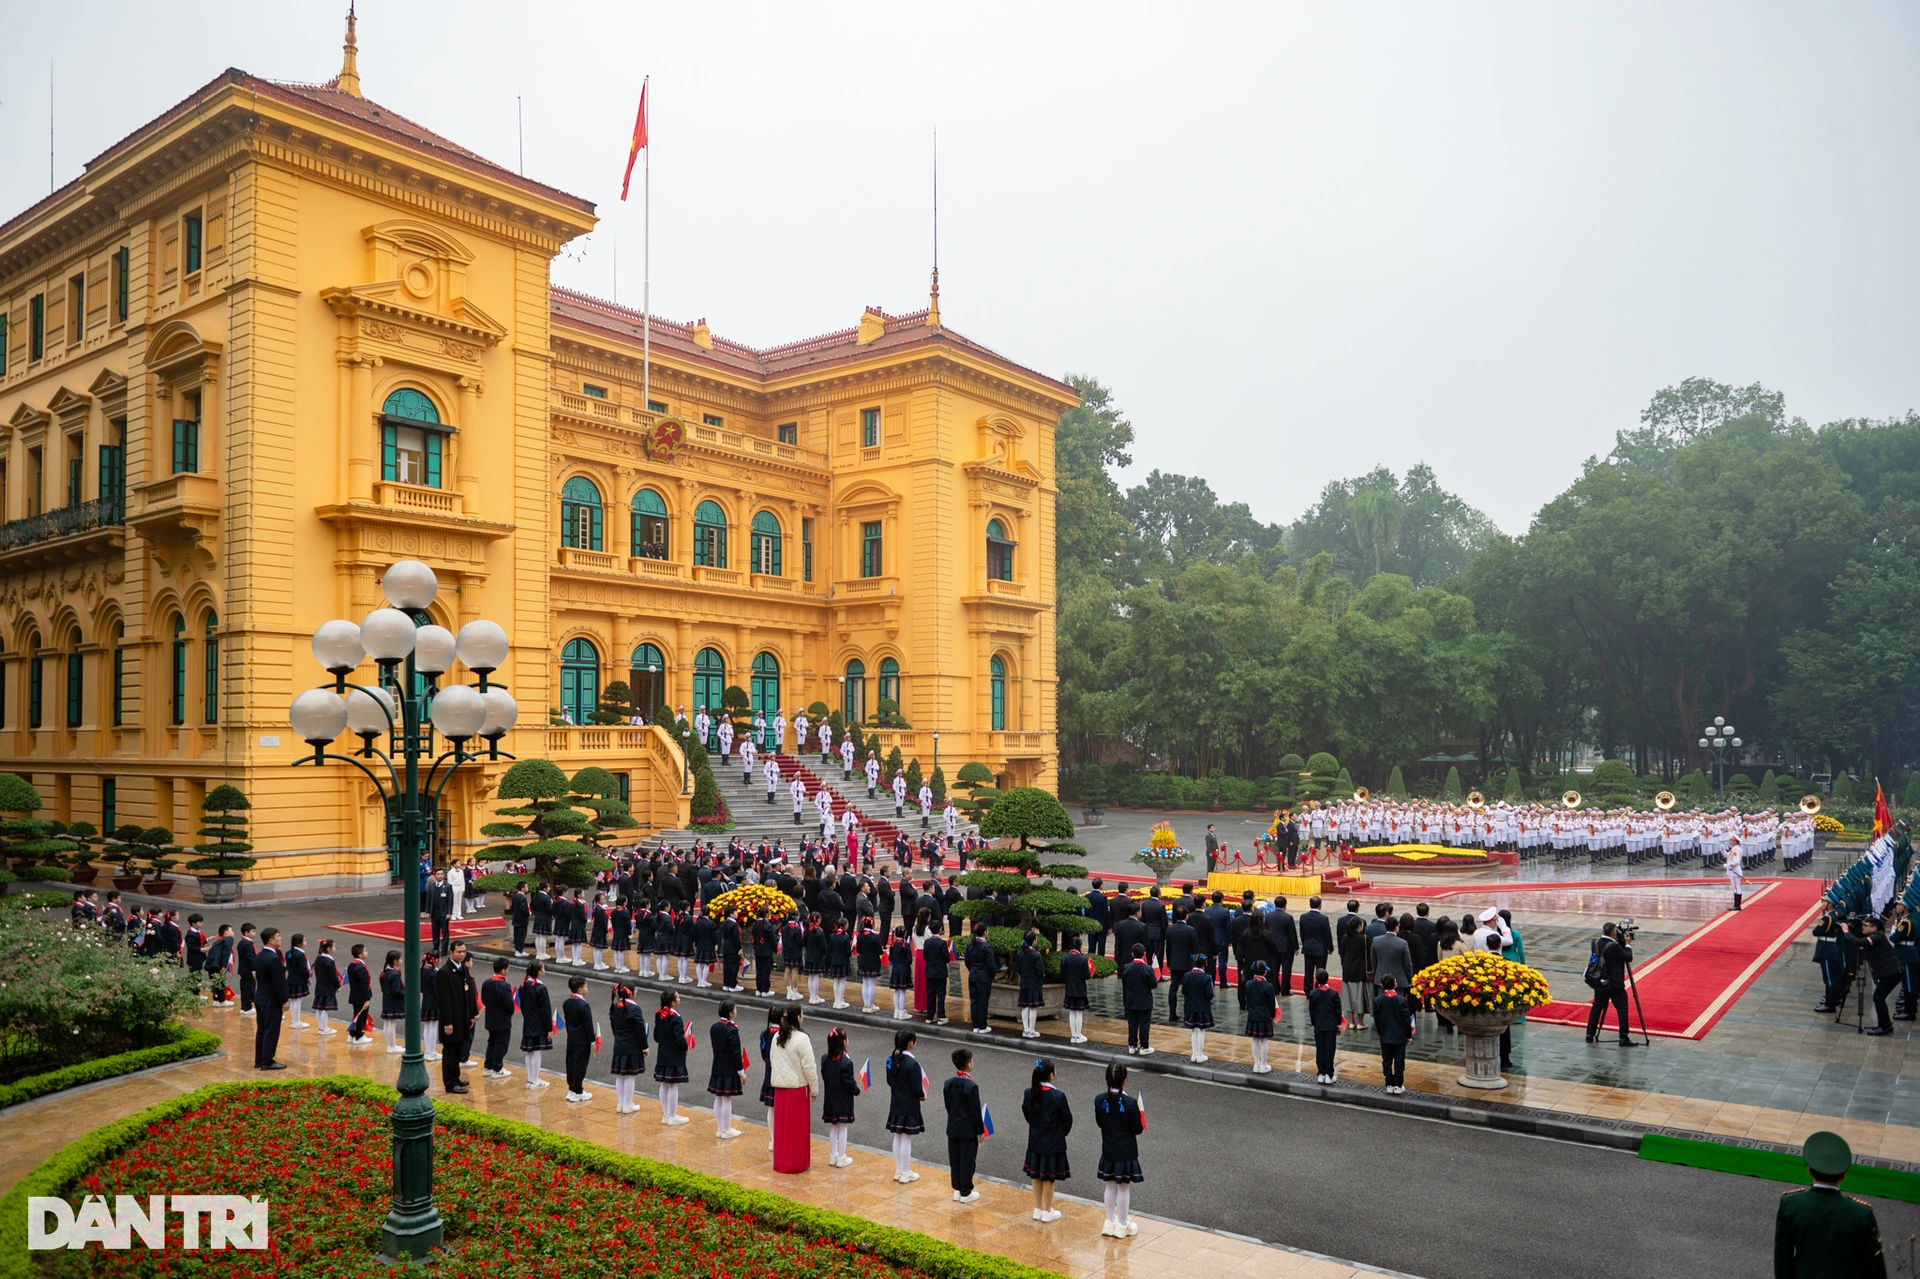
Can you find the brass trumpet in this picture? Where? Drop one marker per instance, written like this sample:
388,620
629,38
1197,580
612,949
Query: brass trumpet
1571,799
1664,800
1361,794
1809,804
1476,800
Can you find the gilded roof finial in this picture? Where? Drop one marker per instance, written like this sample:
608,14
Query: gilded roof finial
349,81
933,303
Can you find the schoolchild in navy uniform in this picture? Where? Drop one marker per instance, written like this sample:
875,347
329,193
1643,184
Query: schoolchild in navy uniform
643,937
730,951
1197,986
793,944
243,965
766,942
900,972
868,948
429,1007
813,960
1121,1122
981,967
496,1003
1031,964
1263,1010
723,1081
839,961
599,924
663,926
766,1068
937,955
359,998
583,1040
629,1026
219,959
706,945
536,1022
683,943
670,1057
838,1087
541,910
907,1088
622,915
577,925
326,985
1075,970
299,979
966,1125
196,944
1049,1120
393,1001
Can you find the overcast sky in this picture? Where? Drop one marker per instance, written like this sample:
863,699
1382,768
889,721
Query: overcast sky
1297,240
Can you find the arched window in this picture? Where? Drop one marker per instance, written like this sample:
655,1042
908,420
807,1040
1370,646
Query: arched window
998,671
854,697
178,700
766,544
76,676
212,671
580,514
647,677
649,526
36,677
411,439
709,684
889,680
710,536
765,690
579,681
999,553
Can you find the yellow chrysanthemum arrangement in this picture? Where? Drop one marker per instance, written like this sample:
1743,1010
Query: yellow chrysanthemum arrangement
1481,982
1163,840
1829,825
749,898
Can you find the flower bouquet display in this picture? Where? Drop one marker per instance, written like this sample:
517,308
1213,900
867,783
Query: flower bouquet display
749,898
1163,854
1481,994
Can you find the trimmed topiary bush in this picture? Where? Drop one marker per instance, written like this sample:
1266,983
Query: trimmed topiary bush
557,829
224,827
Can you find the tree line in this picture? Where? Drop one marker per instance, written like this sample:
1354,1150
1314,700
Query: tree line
1722,560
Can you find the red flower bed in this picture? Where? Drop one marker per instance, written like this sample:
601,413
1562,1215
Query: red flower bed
322,1161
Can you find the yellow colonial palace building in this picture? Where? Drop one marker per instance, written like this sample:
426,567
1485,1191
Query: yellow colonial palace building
280,337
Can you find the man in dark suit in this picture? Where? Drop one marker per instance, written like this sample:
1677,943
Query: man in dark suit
1614,958
439,904
456,998
243,967
1128,931
1316,939
1137,981
1182,940
1153,913
1220,918
1213,849
1821,1233
521,912
1099,913
1283,939
270,1000
496,997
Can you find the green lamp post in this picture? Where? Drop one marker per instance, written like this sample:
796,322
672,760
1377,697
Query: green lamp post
412,654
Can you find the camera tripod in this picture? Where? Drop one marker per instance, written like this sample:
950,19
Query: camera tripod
1634,986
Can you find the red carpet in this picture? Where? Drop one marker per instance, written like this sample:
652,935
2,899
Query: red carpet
1688,987
394,929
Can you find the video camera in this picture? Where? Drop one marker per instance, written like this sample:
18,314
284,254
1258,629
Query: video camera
1626,929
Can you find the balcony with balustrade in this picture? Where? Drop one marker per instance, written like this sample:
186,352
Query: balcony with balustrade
85,530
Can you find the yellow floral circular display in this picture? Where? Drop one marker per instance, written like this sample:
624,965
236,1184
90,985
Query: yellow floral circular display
749,898
1481,982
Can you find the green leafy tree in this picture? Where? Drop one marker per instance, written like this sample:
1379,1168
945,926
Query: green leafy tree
894,765
1451,792
223,831
914,780
1611,783
25,837
616,704
737,707
1040,822
1325,776
557,831
1343,786
1095,794
939,787
816,711
158,848
859,742
1516,790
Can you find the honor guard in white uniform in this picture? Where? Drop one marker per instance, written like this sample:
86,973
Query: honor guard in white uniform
799,792
778,742
760,731
746,761
873,774
1733,868
900,794
926,805
952,816
799,732
826,742
846,757
702,723
772,774
725,733
823,804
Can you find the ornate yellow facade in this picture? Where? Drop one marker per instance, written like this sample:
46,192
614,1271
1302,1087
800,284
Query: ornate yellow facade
279,337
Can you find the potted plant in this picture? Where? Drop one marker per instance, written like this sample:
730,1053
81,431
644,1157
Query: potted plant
84,835
158,840
1481,994
224,855
1163,854
126,847
1094,797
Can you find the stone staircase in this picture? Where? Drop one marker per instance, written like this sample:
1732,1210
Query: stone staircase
755,819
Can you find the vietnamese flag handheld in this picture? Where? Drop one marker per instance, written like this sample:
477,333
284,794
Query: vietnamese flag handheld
866,1075
986,1121
639,140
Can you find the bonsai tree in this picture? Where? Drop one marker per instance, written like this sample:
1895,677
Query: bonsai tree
1015,900
223,825
838,723
126,847
974,778
859,740
1612,782
616,704
158,841
557,829
1324,775
738,707
84,836
1396,784
816,711
599,791
1094,794
887,715
24,836
1343,787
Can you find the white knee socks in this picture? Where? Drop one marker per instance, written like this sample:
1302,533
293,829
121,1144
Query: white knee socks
577,949
902,1154
900,1005
429,1037
684,961
1122,1202
533,1068
669,1101
597,961
700,972
619,961
293,1006
839,992
836,1142
723,1115
1111,1195
387,1028
320,1015
623,1092
1029,1017
1075,1020
867,985
813,988
1199,1044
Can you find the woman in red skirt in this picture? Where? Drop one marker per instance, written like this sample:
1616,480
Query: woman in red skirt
796,1081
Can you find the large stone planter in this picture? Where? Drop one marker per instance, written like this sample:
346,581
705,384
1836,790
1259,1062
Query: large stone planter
1481,1032
1004,1000
219,888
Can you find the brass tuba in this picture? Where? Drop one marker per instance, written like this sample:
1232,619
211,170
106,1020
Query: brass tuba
1361,794
1571,799
1476,800
1810,804
1664,800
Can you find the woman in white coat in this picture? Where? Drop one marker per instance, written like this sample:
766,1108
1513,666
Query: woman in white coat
794,1073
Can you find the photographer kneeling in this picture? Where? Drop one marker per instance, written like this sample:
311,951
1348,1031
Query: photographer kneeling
1610,957
1884,964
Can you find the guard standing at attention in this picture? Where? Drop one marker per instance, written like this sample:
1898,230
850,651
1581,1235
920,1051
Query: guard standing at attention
1821,1232
1834,952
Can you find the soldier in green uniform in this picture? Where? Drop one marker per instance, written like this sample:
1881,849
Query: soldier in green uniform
1820,1233
1834,953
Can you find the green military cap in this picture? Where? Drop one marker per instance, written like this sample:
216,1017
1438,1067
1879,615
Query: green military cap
1828,1154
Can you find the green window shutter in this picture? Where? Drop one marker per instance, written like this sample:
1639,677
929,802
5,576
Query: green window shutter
433,459
389,454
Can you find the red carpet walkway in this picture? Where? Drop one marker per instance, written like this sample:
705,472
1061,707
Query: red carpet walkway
391,929
1689,986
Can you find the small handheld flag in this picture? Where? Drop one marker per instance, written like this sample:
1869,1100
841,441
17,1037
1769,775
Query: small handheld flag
1140,1100
866,1075
986,1121
926,1085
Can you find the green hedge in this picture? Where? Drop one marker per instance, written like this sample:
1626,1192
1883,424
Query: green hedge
188,1043
929,1256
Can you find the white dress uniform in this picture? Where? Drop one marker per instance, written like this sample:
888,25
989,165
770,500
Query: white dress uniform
1735,881
702,722
899,794
760,732
953,820
826,740
772,774
926,804
746,762
823,804
799,733
726,738
873,775
457,880
846,756
799,792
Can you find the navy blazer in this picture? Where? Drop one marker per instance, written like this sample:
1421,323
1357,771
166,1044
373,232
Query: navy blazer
965,1121
1323,1008
1137,983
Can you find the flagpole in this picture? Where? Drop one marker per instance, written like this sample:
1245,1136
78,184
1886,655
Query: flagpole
646,264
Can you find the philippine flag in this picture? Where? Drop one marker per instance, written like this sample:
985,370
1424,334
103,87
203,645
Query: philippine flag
986,1121
926,1085
1140,1100
866,1075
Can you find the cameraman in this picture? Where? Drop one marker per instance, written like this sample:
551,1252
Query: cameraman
1614,955
1884,964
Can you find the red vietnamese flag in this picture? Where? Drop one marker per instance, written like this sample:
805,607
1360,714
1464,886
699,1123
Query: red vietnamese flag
639,141
1882,817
